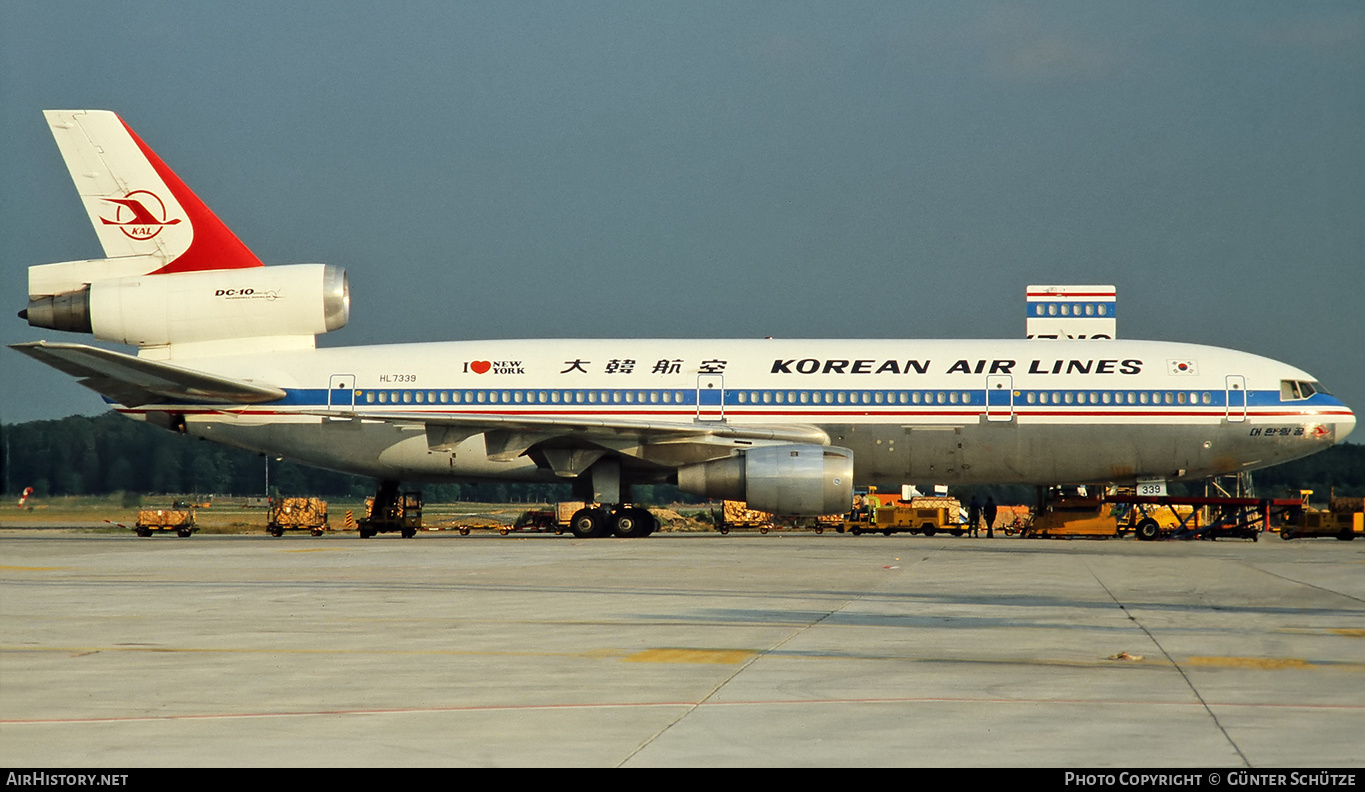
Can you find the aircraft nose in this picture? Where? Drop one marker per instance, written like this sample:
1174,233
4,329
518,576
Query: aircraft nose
1345,425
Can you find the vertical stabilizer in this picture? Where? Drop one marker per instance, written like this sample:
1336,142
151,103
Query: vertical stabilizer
140,209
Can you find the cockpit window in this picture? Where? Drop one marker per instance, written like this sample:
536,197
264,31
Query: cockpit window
1297,390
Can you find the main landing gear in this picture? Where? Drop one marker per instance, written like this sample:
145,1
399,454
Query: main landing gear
622,520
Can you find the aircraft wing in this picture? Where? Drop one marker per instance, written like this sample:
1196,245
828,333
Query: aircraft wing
133,381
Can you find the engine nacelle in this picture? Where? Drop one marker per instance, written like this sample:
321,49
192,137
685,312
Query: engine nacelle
208,305
782,479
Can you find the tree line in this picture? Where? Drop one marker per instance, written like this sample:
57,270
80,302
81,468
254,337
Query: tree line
109,453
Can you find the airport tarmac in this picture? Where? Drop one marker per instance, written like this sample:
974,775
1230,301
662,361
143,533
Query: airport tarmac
789,649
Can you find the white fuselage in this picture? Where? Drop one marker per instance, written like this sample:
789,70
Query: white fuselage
923,411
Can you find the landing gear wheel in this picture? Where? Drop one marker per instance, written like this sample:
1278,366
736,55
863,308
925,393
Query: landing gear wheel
631,523
1147,530
588,523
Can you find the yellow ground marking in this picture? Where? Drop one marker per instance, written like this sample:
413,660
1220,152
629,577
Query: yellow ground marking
32,569
701,656
1267,663
316,550
1348,633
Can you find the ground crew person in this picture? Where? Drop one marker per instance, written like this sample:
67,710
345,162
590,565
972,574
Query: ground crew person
989,513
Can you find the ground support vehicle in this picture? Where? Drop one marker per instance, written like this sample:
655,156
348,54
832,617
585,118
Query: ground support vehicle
1343,526
391,511
151,521
1344,519
737,515
926,515
1073,516
297,514
467,526
1222,517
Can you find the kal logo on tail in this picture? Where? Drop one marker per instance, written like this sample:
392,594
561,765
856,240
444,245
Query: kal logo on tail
143,224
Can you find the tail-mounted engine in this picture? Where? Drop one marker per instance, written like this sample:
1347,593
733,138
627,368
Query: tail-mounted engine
782,479
209,305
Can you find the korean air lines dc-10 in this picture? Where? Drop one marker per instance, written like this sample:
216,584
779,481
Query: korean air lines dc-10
226,352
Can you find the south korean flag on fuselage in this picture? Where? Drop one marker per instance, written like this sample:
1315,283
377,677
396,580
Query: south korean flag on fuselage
1182,367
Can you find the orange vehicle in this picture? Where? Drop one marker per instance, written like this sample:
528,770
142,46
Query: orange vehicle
1074,516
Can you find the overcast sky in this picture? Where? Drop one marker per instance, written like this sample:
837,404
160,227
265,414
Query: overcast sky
746,169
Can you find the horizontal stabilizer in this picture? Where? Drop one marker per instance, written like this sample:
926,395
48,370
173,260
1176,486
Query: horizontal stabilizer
133,381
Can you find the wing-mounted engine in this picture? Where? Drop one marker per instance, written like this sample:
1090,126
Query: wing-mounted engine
790,479
299,300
